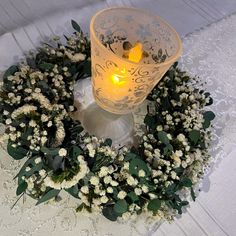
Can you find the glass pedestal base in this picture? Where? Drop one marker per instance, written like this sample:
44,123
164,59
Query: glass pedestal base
122,129
104,124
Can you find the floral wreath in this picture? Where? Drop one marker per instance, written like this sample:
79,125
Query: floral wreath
36,106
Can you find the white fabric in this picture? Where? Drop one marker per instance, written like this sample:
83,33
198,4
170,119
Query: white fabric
211,54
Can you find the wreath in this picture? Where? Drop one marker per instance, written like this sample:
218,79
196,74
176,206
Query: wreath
36,108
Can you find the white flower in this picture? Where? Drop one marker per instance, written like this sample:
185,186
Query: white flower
44,118
103,171
126,216
27,169
131,181
110,190
94,180
32,123
114,183
62,152
104,199
181,137
8,121
159,128
141,173
84,189
49,124
42,173
22,125
91,150
107,179
43,140
76,57
138,191
80,158
179,153
145,189
25,109
38,160
5,112
37,90
122,194
71,108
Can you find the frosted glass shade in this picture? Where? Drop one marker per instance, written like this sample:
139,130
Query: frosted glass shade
119,84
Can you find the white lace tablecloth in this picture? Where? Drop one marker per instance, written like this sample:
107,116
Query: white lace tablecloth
209,53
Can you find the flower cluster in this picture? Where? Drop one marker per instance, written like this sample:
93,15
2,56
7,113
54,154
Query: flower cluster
36,105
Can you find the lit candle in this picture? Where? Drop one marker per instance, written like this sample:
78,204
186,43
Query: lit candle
124,74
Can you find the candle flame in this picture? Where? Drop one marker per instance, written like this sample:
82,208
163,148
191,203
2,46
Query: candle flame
119,79
136,52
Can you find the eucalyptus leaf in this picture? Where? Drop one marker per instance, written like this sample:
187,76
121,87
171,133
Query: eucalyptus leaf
208,116
136,165
76,26
109,213
162,135
17,153
49,195
10,71
194,136
121,206
133,197
150,121
74,191
193,195
50,151
186,182
154,205
46,66
21,188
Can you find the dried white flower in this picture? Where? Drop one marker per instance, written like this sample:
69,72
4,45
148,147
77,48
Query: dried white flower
62,152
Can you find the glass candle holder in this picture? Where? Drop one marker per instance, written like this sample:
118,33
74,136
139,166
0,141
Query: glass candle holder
130,51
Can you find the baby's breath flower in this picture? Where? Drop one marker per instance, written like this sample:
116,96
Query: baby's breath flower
62,152
122,194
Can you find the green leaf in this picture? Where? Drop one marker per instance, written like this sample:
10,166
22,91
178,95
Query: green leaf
150,121
194,136
130,156
109,213
168,149
121,206
154,205
75,151
49,195
10,71
208,116
50,151
74,191
46,66
136,165
186,182
35,167
17,153
80,207
21,188
108,142
184,203
133,197
76,26
193,195
162,135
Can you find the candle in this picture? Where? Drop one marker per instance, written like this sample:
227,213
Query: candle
124,74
